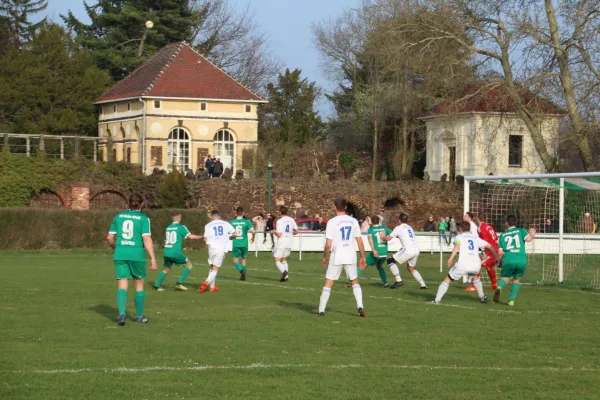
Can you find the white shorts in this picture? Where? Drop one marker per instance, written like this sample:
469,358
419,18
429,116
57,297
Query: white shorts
407,256
334,271
458,271
215,257
281,253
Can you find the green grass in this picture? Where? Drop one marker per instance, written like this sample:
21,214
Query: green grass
262,340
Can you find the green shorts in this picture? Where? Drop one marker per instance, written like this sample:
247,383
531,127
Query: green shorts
179,260
130,269
239,252
373,261
513,270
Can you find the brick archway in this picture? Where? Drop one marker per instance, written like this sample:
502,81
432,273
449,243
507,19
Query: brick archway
46,198
108,200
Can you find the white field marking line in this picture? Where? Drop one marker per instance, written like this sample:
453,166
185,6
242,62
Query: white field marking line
283,366
285,286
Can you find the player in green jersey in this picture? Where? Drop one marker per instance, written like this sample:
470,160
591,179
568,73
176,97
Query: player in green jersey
239,250
174,237
379,246
129,235
514,258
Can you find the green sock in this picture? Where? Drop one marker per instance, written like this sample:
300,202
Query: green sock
382,274
359,271
244,268
160,279
184,274
121,300
514,290
140,299
238,266
501,284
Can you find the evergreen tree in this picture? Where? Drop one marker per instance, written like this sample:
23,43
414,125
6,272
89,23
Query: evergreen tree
118,38
17,13
173,189
49,86
290,115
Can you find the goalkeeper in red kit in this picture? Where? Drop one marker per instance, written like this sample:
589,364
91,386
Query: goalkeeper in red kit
487,233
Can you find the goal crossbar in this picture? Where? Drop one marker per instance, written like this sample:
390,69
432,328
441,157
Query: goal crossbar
564,179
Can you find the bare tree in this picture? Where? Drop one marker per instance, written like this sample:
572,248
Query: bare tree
233,40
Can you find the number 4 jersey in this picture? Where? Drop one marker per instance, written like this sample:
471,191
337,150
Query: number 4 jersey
129,228
512,242
174,237
217,235
343,231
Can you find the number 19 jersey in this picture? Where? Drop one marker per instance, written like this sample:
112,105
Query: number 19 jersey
129,228
217,235
343,230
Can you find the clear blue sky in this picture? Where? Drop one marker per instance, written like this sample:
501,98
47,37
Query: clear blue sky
286,22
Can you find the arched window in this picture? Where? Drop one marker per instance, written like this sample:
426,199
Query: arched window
224,145
179,149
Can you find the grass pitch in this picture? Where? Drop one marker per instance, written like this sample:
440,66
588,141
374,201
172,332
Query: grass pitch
262,340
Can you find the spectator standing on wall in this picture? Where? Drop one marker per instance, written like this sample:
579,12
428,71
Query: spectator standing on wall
550,226
269,226
366,224
260,223
442,228
452,228
382,217
429,225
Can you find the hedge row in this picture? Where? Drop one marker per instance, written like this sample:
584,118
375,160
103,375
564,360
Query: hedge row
22,228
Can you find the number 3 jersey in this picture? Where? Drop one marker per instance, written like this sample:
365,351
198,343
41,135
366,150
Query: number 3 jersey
174,237
512,242
129,227
217,235
343,231
468,254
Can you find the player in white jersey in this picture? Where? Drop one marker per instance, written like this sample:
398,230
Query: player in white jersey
467,246
473,230
285,229
341,233
217,234
409,253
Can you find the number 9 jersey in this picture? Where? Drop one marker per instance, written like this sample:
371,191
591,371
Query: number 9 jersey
129,227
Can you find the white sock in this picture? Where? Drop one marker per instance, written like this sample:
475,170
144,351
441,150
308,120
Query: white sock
441,291
395,272
479,288
324,299
418,277
212,276
212,285
285,266
357,295
280,266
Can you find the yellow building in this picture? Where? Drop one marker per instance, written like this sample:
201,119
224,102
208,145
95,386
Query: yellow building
178,108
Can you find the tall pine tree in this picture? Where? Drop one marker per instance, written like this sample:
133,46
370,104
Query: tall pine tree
17,13
290,115
117,36
49,86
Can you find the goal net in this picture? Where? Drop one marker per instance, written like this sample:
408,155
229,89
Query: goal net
563,208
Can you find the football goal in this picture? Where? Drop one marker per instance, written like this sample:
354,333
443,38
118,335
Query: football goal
563,208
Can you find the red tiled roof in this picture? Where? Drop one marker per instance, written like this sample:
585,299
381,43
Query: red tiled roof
178,70
491,97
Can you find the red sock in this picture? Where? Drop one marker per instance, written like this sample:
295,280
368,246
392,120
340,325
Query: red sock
492,274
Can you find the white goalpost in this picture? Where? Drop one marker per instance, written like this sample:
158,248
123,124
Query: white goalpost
563,208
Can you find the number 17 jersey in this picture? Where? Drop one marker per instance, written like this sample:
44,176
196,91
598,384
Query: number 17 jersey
129,227
343,231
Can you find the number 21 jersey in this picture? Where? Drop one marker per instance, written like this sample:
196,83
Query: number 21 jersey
129,227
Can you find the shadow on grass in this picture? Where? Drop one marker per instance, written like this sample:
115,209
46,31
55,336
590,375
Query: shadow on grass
107,311
266,278
308,308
